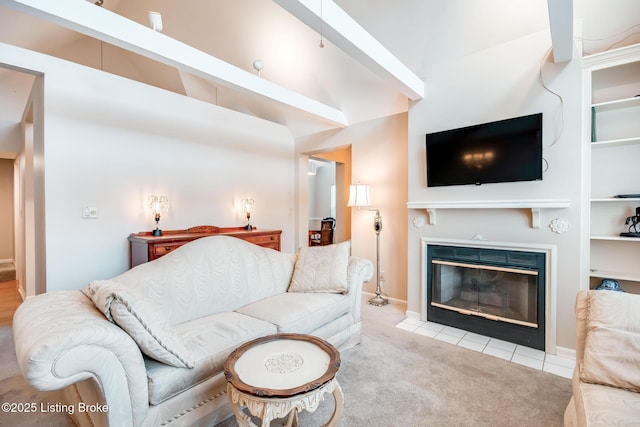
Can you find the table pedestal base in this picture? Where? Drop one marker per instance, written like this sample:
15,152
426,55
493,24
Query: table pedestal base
270,408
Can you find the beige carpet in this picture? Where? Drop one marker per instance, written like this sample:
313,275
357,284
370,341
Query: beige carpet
394,378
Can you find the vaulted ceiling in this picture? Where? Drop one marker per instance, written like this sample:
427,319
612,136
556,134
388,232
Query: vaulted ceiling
420,34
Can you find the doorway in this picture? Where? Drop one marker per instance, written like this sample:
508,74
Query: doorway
322,201
335,165
22,147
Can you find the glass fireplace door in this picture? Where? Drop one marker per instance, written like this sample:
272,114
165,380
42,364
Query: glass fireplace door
493,292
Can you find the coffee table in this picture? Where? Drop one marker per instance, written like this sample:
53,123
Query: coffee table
280,375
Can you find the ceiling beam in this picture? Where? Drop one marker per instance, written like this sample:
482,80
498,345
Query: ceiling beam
328,19
102,24
561,25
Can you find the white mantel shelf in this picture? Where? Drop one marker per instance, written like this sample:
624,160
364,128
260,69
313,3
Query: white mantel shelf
536,205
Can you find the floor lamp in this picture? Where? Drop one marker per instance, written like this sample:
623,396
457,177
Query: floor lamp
359,197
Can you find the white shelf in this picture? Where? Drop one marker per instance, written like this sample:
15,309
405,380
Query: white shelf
618,103
617,275
616,238
615,142
615,199
534,204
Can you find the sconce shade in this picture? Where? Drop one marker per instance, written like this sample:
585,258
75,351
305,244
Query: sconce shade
359,196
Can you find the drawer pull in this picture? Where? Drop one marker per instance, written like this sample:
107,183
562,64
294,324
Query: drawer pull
167,248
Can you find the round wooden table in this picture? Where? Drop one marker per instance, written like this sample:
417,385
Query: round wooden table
280,375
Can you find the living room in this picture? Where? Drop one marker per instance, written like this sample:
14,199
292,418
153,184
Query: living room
111,141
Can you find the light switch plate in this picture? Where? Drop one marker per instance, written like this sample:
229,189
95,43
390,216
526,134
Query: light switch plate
89,212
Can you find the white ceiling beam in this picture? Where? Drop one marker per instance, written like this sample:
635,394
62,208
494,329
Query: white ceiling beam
339,28
561,24
102,24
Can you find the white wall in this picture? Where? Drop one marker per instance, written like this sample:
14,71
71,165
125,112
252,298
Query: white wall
379,159
6,209
499,83
320,192
112,142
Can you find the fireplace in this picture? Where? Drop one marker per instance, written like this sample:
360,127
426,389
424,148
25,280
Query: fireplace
494,292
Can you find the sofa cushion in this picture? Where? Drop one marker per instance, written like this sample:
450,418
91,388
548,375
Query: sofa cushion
607,405
210,339
210,275
298,312
321,269
612,342
147,326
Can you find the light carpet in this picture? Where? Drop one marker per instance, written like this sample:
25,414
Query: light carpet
393,378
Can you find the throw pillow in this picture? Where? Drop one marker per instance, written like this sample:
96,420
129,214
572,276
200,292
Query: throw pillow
322,269
141,320
612,343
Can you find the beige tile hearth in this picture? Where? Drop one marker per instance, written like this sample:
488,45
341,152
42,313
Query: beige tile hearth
515,353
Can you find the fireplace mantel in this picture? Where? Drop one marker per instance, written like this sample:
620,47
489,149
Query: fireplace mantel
536,205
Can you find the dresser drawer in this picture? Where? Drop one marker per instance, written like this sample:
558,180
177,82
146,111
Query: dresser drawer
164,248
266,241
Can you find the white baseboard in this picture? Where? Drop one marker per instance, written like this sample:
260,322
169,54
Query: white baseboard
11,260
566,353
394,301
413,315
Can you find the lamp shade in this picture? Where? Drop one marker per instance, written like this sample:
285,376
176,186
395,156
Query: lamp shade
359,195
248,205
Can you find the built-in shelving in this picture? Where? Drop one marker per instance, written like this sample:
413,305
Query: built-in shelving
612,148
534,204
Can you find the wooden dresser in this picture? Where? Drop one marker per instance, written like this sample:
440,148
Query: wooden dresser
144,247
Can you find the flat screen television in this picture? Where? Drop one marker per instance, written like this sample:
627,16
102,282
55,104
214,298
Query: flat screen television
504,151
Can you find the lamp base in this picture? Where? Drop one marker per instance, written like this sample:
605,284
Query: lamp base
156,232
379,300
248,227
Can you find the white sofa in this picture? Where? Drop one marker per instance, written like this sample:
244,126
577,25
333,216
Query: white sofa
147,347
606,380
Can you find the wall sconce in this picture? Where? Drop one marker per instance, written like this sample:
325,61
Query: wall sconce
248,206
359,197
158,205
155,20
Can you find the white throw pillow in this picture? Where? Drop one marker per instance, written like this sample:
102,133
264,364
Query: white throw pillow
322,269
141,320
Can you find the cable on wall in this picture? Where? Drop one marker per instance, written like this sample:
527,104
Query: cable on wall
544,85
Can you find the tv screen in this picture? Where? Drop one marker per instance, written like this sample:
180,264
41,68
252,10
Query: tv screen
504,151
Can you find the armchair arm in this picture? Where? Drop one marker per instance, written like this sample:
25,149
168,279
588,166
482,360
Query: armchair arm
360,270
62,339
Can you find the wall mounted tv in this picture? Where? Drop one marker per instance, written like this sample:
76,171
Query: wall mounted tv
504,151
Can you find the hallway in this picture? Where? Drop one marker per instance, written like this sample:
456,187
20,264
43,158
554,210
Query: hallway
9,301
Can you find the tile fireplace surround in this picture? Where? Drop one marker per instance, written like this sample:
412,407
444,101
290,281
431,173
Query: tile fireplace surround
550,277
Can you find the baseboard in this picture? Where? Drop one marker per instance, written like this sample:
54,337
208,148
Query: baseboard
413,315
8,260
395,301
566,353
